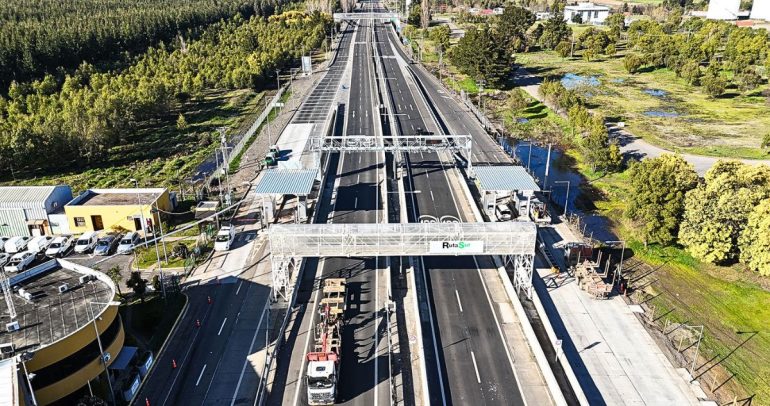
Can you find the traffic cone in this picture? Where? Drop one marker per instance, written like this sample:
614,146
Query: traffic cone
173,363
146,402
209,299
197,323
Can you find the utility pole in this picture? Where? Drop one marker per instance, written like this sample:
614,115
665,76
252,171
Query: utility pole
225,169
547,166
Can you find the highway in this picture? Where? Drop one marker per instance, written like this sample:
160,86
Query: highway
470,362
204,361
356,198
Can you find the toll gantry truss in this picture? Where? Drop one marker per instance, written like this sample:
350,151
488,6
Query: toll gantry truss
364,16
514,241
397,143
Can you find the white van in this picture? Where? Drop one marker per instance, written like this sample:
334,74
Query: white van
224,238
128,242
39,244
59,246
16,244
503,212
86,242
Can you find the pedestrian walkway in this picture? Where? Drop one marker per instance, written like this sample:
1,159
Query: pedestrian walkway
615,359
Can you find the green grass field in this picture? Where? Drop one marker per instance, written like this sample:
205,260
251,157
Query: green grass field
730,126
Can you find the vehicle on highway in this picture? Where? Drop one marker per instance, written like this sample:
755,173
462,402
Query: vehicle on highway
128,242
19,261
59,247
503,212
4,258
106,244
86,242
16,244
39,244
323,366
224,238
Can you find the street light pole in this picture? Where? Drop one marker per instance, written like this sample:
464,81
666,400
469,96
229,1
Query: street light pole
101,348
141,211
622,256
566,199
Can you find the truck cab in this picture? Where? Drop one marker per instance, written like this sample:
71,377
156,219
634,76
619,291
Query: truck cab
321,382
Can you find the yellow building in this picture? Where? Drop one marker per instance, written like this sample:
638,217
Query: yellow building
105,209
60,307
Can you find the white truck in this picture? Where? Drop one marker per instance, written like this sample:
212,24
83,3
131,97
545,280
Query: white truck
323,363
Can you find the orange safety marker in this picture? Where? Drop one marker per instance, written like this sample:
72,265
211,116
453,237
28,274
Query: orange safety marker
197,323
173,363
209,299
146,402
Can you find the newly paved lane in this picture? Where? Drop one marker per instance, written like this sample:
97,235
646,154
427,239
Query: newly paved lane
356,177
471,365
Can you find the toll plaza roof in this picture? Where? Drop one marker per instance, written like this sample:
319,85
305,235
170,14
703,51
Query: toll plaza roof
507,177
124,358
286,182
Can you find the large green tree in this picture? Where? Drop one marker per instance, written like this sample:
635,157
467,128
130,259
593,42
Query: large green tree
555,29
717,211
511,28
658,188
754,242
597,149
480,56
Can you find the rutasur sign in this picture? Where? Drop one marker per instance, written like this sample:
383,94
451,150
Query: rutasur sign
457,247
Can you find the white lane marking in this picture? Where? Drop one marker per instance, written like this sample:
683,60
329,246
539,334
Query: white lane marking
239,288
431,196
457,295
476,367
355,204
411,107
201,375
358,178
251,347
225,321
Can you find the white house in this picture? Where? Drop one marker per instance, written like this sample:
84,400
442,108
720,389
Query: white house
589,12
724,9
760,10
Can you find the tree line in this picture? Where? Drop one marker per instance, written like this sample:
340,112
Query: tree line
707,53
722,218
487,52
41,36
49,123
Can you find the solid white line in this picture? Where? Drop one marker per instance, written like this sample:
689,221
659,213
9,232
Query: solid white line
355,204
239,288
457,295
476,367
201,375
222,326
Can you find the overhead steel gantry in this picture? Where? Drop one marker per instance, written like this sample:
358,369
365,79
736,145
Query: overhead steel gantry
395,143
364,16
515,241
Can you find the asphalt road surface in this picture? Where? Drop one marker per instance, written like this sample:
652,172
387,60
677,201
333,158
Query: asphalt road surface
357,199
470,363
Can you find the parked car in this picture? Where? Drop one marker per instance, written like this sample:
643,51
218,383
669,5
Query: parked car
59,247
106,244
503,212
16,244
4,258
39,244
224,238
19,261
2,243
128,242
86,242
